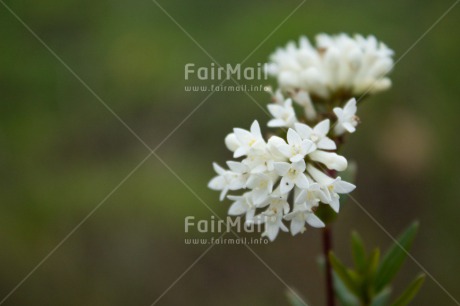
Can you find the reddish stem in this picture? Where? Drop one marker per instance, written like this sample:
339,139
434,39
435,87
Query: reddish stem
327,247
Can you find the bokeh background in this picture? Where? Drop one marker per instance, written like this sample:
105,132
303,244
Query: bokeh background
62,152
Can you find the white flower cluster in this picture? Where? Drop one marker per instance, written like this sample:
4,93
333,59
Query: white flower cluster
354,65
272,170
287,179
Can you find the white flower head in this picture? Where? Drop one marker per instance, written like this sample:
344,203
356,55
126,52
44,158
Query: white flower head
346,118
335,63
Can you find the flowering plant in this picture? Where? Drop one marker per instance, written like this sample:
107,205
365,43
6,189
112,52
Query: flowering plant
293,175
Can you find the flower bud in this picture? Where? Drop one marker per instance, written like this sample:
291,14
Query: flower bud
331,160
232,142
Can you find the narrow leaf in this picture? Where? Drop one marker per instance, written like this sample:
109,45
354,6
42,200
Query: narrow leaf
372,264
395,257
359,253
410,292
382,298
369,273
343,273
344,295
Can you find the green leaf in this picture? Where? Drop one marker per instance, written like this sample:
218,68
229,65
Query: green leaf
372,264
359,253
382,298
395,257
295,299
410,292
345,297
344,275
369,276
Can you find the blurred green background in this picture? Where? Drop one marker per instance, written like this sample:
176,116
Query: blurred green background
62,152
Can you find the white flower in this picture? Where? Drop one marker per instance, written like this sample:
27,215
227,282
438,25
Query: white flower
299,216
242,205
346,118
262,186
262,160
273,223
284,115
296,148
310,196
228,180
273,145
356,65
249,141
220,181
291,175
318,134
273,216
331,186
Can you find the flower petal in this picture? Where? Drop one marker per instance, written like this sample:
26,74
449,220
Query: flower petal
314,221
297,226
271,231
237,166
255,129
303,130
326,144
343,187
301,181
322,128
237,208
293,138
286,185
281,168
